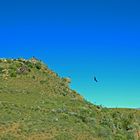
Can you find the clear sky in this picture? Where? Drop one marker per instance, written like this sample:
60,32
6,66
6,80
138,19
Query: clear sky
79,39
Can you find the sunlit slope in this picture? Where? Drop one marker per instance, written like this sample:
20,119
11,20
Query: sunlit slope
35,103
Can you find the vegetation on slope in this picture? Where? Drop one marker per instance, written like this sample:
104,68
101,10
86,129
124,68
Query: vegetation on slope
36,104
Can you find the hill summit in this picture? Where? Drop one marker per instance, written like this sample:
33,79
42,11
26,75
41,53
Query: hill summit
37,104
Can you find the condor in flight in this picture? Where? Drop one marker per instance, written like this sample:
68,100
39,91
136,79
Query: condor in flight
95,79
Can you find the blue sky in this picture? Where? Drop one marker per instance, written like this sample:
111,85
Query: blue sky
79,39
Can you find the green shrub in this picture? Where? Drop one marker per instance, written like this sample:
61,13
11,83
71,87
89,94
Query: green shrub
9,61
13,67
127,121
119,137
131,136
13,74
33,77
1,69
43,81
38,65
29,64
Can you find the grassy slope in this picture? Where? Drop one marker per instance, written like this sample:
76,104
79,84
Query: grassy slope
35,103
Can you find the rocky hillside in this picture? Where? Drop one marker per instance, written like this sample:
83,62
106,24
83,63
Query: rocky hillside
37,104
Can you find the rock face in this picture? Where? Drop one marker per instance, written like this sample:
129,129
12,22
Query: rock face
36,103
23,70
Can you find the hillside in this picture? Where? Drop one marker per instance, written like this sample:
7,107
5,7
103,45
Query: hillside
37,104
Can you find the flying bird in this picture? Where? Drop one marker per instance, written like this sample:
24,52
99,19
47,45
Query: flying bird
95,79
